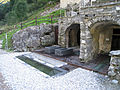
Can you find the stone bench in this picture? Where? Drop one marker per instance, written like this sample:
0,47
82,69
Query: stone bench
51,49
63,51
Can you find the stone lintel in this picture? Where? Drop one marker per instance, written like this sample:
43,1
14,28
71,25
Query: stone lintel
115,53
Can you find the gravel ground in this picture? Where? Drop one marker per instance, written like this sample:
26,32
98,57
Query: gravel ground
3,52
21,76
3,84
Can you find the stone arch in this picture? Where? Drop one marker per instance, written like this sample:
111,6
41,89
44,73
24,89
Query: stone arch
72,35
90,49
66,23
91,22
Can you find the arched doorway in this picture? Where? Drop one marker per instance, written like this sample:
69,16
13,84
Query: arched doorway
73,36
106,37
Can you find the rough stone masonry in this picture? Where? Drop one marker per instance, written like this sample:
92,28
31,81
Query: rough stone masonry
99,26
96,27
34,37
114,69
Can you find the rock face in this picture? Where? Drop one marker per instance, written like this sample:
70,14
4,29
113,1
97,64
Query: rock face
33,37
114,69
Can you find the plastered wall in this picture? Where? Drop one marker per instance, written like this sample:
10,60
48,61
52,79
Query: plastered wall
63,3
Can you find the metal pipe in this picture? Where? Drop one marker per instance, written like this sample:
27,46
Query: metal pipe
6,42
91,2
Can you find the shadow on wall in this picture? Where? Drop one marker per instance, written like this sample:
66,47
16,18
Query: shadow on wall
106,37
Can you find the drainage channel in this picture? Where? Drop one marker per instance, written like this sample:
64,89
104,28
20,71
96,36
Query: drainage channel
44,67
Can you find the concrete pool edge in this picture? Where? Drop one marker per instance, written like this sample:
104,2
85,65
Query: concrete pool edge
61,71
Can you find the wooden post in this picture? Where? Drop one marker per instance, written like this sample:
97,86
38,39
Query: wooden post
36,20
60,13
51,19
21,25
6,46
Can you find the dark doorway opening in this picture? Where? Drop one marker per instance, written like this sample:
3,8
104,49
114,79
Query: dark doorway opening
73,35
78,37
116,40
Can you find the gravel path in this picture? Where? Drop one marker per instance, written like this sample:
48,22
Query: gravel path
21,76
3,84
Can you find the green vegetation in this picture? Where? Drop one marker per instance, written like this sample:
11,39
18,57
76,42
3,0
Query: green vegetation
9,38
15,11
19,10
43,19
50,18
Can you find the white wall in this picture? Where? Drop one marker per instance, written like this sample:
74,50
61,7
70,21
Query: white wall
63,3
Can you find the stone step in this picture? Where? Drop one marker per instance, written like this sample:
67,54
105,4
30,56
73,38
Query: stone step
63,51
51,49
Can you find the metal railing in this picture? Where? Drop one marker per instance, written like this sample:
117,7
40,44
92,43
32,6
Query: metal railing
38,21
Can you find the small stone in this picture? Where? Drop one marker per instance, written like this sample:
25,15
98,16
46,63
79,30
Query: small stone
111,73
115,81
106,76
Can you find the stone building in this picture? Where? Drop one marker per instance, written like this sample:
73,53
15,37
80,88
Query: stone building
64,3
92,27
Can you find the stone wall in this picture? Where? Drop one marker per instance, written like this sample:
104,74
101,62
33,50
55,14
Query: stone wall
114,69
94,15
34,37
88,17
64,24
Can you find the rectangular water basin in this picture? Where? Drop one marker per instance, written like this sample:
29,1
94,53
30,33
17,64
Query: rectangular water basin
42,67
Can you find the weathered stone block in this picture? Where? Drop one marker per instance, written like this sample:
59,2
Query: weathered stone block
63,51
51,49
